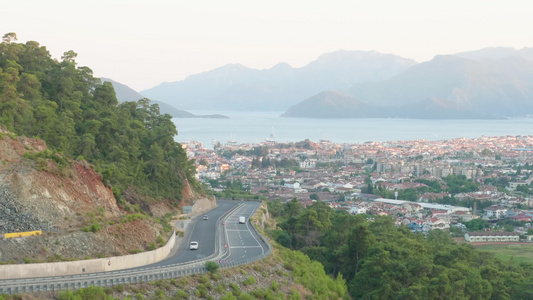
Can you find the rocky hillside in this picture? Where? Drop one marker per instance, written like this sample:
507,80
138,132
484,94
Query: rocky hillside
77,213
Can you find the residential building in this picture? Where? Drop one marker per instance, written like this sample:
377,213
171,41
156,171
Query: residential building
492,236
495,212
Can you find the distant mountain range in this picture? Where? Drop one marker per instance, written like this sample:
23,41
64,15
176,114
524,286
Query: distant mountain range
496,53
235,87
488,88
125,93
336,105
488,83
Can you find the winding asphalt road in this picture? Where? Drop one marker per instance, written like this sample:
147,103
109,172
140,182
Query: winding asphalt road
236,242
237,236
202,231
242,240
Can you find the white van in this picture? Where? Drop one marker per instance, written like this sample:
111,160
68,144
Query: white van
242,220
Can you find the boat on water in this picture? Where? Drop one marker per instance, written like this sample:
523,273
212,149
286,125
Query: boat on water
271,137
232,140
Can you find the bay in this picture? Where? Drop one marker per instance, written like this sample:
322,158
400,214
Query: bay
256,127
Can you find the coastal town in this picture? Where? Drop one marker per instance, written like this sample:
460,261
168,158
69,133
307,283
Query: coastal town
484,183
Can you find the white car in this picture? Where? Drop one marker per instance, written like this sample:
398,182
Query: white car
194,246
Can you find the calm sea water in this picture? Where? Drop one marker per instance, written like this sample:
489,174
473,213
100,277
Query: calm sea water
255,127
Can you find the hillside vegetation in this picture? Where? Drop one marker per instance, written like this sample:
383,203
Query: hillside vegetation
130,144
381,261
285,274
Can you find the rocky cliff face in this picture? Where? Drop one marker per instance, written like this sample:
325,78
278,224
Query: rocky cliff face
38,195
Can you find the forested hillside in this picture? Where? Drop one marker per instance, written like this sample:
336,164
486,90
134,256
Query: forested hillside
130,144
381,261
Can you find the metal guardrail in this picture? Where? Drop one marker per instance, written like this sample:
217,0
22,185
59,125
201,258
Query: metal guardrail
21,286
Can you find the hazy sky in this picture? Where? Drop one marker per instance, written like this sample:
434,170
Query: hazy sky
143,43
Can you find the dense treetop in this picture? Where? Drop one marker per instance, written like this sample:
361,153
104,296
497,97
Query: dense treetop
130,144
379,260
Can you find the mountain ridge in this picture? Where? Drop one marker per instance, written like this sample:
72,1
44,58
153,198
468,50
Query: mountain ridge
126,94
497,53
236,87
491,82
501,86
332,104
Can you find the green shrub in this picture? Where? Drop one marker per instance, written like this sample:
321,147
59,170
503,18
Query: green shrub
91,292
228,296
182,283
245,296
160,293
202,290
288,265
165,222
249,281
95,227
235,288
203,279
215,276
220,288
160,240
151,247
119,288
181,294
274,286
211,266
132,217
294,295
259,293
108,290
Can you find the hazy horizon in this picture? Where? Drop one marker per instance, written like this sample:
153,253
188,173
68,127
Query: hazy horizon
142,44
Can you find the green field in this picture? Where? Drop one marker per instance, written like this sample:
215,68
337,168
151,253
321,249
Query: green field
517,253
